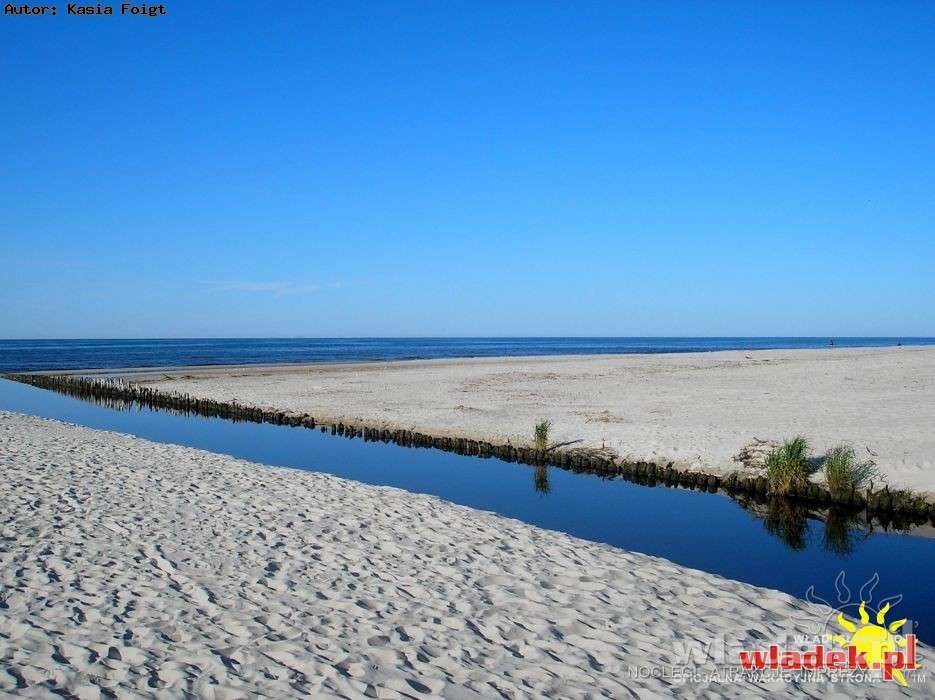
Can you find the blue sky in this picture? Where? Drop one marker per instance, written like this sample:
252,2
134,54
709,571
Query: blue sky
509,168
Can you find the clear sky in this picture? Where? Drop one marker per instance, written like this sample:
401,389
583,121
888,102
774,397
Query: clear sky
301,168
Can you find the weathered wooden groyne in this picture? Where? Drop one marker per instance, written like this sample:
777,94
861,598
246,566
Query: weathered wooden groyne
882,504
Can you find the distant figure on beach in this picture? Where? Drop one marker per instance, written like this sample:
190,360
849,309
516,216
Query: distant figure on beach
831,342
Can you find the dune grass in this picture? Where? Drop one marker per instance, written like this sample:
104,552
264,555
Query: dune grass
541,434
843,473
787,467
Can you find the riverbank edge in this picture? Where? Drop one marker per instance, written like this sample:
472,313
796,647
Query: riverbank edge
915,507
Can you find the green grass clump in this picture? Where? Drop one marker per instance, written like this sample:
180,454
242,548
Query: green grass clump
787,467
541,434
843,473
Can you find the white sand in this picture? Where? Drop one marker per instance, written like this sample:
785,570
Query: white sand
698,410
153,570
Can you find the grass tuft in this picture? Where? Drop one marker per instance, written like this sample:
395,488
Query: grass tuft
843,473
541,434
787,467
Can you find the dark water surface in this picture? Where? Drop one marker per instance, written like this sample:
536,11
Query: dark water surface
701,530
35,355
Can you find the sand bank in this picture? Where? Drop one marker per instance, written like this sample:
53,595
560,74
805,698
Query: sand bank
156,569
702,411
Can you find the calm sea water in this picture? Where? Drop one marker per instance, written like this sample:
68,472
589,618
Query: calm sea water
34,355
780,549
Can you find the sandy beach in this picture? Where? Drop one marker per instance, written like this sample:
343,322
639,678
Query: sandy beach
714,412
154,570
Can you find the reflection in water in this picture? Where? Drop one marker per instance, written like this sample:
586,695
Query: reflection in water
540,479
794,522
843,531
787,520
842,528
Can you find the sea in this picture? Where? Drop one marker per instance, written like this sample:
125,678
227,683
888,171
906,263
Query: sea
38,355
